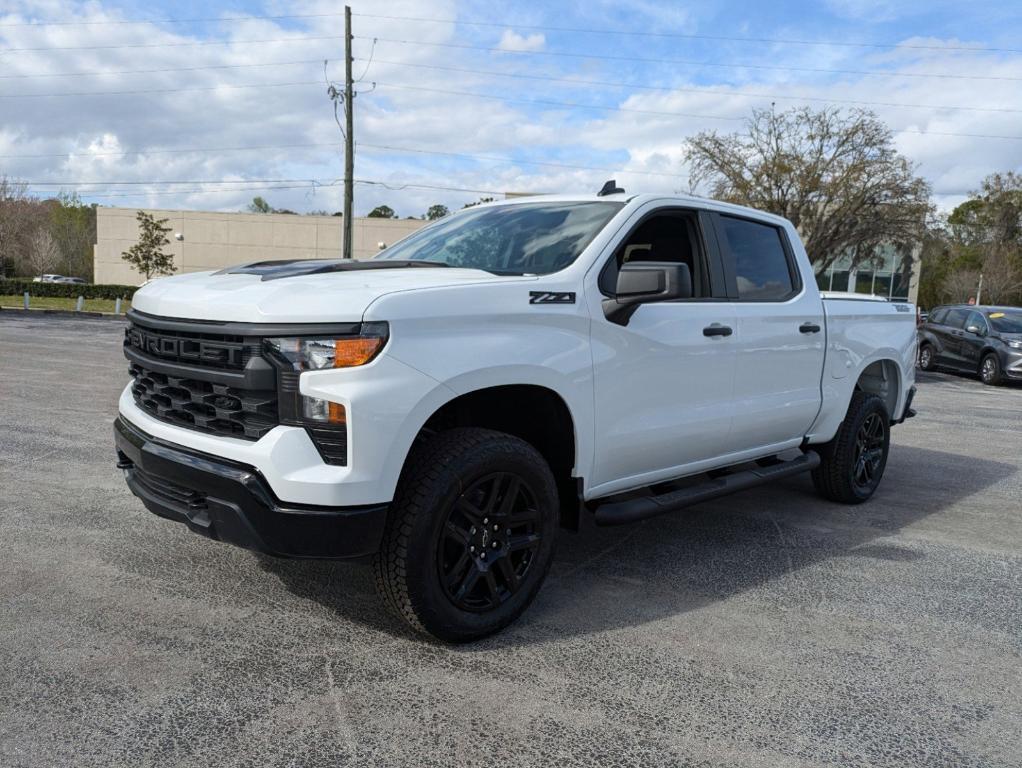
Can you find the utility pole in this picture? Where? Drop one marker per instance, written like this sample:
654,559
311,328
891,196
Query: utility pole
349,138
979,291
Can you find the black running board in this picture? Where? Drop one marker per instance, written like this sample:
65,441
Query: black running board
632,510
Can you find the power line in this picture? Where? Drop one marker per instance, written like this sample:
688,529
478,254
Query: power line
55,94
689,62
639,86
194,20
303,183
174,45
103,72
334,145
684,36
514,161
658,113
511,25
181,150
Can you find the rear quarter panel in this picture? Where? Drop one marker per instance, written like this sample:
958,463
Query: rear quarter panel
859,333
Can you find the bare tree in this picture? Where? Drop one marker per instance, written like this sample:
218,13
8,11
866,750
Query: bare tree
43,253
835,175
1002,276
961,284
18,216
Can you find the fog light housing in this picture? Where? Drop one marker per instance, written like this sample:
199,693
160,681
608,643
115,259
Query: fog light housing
325,411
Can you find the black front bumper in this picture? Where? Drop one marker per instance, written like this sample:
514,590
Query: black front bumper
232,502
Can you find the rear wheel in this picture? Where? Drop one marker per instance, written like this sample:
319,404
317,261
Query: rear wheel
852,464
926,358
470,536
990,370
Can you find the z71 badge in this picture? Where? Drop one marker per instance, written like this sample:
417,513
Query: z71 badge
551,297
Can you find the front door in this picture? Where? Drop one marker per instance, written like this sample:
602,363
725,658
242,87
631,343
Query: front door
780,339
973,340
663,382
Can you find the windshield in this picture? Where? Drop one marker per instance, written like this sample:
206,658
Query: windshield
533,238
1006,322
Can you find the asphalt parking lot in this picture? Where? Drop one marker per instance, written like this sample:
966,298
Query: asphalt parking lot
767,629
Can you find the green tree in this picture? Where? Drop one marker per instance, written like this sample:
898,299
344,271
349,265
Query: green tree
982,236
835,175
437,212
259,205
382,212
72,224
147,254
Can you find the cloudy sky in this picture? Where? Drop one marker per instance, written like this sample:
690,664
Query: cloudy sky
462,97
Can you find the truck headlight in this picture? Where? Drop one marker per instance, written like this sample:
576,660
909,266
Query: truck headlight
309,353
324,420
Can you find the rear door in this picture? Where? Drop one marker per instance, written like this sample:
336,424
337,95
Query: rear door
952,332
780,339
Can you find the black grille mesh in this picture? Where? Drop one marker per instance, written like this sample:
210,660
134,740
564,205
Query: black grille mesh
208,407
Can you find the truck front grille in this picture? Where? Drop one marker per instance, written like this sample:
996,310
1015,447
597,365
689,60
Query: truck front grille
203,405
197,375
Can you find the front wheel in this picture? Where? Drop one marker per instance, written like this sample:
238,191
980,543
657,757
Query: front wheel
990,370
470,536
852,464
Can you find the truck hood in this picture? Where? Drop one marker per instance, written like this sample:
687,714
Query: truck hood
298,291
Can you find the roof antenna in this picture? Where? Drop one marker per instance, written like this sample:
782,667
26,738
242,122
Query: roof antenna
610,188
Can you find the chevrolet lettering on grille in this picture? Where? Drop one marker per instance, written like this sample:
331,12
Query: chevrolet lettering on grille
185,349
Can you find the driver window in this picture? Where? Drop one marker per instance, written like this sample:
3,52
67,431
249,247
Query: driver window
976,319
667,237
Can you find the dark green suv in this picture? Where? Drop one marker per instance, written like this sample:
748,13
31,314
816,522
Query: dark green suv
982,340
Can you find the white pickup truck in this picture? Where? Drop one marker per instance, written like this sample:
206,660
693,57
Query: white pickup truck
500,374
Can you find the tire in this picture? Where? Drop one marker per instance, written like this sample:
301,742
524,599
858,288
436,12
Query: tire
440,567
990,370
844,475
926,358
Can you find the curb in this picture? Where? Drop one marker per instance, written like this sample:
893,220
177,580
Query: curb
61,313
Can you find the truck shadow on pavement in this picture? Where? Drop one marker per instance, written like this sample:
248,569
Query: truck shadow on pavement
610,578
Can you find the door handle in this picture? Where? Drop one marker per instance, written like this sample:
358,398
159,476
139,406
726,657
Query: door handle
809,328
716,329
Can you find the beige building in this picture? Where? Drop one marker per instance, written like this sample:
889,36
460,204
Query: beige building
201,240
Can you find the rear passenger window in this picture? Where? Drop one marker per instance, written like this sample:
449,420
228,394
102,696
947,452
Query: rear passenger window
761,264
938,316
956,318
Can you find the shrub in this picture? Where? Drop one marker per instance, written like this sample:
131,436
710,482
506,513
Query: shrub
66,290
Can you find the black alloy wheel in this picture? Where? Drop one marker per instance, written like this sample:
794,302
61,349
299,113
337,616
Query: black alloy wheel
853,462
470,535
869,452
488,542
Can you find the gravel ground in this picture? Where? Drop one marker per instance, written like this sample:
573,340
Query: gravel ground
767,629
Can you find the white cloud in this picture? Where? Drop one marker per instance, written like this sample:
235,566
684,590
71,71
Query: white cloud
512,41
159,127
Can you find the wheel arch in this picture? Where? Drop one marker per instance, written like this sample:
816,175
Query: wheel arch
882,377
533,412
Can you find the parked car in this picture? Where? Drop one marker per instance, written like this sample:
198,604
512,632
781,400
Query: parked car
449,405
981,340
73,280
47,279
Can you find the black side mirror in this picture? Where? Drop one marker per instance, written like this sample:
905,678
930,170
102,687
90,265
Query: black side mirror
645,282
